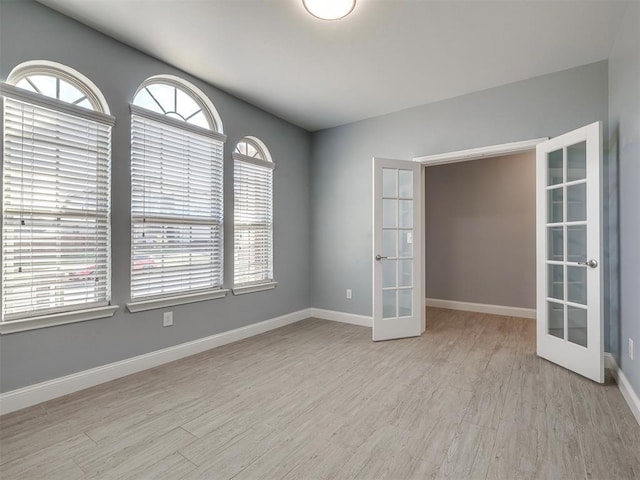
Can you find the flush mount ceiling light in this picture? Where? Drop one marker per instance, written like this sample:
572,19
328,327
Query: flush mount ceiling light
329,9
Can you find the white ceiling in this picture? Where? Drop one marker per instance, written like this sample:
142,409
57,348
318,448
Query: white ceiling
386,56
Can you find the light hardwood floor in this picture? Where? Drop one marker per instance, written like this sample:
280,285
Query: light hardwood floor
320,400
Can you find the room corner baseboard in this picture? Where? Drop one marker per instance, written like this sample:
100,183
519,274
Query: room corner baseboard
41,392
350,318
482,308
629,394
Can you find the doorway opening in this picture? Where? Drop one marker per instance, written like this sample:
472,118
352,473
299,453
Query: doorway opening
480,234
480,240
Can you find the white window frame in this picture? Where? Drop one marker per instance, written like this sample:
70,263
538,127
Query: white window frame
139,114
70,313
262,159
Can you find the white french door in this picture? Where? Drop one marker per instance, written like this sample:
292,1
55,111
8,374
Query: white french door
398,296
569,318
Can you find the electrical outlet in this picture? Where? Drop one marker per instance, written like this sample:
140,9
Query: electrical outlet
167,319
349,294
631,349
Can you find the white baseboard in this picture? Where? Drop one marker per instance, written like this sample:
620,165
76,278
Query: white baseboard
351,318
482,308
625,387
41,392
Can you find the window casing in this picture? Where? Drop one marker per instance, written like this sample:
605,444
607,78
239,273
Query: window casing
253,216
56,189
176,195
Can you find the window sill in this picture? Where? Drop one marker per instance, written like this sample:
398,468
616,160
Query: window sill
142,305
33,323
254,288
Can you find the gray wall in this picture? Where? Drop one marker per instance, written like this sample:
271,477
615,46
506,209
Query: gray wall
481,231
29,31
624,172
341,169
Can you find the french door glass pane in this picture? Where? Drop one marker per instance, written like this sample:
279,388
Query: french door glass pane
577,325
405,273
556,243
389,213
577,203
404,302
556,281
576,243
555,167
406,243
556,319
577,162
389,273
555,205
406,214
577,284
389,243
389,182
389,304
406,184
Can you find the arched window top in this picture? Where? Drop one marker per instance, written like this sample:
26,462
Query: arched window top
178,99
58,81
254,148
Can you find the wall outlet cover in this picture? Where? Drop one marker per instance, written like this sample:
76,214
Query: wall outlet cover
167,319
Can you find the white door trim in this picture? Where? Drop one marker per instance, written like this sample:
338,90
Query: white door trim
489,151
478,153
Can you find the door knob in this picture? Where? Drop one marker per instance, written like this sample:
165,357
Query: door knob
589,263
379,257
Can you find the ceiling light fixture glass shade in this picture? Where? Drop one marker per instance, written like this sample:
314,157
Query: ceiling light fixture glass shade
329,9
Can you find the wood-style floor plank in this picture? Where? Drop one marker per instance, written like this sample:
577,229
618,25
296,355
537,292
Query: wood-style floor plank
320,400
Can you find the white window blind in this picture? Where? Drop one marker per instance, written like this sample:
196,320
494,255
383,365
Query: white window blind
56,207
176,207
253,220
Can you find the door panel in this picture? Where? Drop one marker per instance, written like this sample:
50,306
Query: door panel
569,317
398,305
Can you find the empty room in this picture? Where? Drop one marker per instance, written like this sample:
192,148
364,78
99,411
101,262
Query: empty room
313,239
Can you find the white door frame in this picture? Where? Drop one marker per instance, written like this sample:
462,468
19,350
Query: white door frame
479,153
490,151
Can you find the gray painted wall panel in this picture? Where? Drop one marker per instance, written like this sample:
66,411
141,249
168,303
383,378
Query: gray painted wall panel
342,169
624,171
29,31
481,231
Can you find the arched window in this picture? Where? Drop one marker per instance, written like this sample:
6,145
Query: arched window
56,189
175,101
55,81
253,216
176,195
